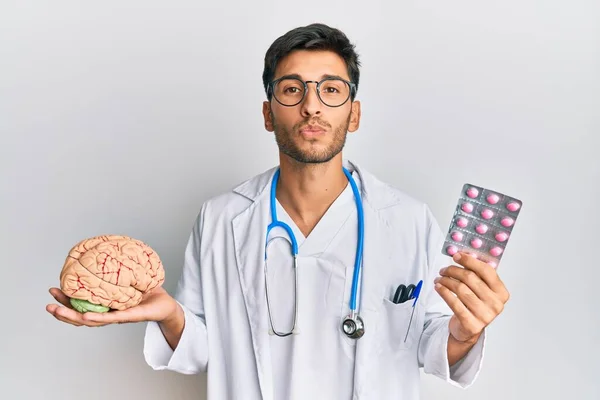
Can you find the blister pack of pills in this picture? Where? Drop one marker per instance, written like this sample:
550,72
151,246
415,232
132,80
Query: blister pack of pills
482,224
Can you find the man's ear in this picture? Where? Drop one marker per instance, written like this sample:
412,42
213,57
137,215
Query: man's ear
267,116
354,117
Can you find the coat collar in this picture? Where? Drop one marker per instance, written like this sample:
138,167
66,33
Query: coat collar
376,193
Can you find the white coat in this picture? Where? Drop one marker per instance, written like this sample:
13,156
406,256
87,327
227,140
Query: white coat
222,292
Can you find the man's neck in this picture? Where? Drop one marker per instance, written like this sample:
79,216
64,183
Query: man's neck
306,191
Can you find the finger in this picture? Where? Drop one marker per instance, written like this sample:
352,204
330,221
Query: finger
52,308
488,275
463,314
71,316
60,297
63,319
482,311
473,281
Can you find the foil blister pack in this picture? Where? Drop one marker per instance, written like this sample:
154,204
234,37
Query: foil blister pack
482,224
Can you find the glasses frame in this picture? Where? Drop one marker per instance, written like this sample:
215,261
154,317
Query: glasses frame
351,93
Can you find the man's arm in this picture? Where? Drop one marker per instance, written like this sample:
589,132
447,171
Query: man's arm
179,342
446,350
172,327
458,350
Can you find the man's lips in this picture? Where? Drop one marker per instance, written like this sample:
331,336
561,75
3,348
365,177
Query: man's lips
312,131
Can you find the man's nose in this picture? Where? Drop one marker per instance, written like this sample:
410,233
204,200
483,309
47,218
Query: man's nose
311,105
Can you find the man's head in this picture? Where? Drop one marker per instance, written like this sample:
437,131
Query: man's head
311,127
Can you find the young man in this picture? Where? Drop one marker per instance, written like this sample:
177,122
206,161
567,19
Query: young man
293,334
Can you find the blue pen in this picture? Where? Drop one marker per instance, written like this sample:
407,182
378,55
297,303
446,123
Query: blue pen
416,294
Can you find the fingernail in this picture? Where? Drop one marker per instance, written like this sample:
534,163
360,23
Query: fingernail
457,257
438,285
436,280
443,270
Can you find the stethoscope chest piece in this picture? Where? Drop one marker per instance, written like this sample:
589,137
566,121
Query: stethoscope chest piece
353,327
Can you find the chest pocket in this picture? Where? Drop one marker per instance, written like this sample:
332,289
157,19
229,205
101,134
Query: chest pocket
396,329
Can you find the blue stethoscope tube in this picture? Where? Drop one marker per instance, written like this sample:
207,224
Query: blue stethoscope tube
352,325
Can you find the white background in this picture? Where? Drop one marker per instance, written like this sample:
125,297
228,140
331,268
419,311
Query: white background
123,117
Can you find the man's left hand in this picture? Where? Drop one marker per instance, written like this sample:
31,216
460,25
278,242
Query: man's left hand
475,294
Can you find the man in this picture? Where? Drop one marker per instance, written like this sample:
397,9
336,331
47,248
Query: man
231,321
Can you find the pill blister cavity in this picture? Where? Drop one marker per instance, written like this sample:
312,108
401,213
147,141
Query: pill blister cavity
496,251
452,250
476,243
487,213
513,206
462,222
457,236
507,222
472,192
467,207
493,198
501,236
481,229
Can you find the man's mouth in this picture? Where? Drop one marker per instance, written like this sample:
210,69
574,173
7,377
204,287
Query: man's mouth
312,131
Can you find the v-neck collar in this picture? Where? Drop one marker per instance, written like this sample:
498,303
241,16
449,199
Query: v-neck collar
322,235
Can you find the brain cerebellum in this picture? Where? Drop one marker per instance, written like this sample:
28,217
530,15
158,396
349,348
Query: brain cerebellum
112,271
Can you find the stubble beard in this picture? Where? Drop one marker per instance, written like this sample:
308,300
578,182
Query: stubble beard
286,144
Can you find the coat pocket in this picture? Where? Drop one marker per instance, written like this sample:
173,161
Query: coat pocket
398,330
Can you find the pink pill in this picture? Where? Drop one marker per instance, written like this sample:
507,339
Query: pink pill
472,192
501,236
493,198
476,243
462,222
452,250
507,221
493,264
481,229
512,206
467,207
487,213
496,251
457,236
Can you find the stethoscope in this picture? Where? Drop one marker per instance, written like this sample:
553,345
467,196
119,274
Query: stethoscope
352,325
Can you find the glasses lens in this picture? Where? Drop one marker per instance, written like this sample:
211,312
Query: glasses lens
334,92
289,92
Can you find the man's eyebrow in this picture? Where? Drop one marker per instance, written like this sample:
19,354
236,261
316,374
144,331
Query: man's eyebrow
297,76
332,77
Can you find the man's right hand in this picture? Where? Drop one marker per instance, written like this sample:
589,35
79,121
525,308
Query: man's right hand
157,305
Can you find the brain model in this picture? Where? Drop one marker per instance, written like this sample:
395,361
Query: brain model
110,272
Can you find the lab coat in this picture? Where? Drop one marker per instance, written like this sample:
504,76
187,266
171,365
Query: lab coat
222,293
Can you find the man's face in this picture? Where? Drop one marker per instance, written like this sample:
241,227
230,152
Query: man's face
311,132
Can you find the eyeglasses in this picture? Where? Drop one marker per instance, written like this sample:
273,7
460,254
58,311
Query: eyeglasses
333,92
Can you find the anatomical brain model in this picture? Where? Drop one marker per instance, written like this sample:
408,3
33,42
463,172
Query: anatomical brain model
110,272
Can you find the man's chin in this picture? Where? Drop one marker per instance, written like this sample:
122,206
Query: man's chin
311,157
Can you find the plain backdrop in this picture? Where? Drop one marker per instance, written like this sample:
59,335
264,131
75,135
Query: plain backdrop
123,117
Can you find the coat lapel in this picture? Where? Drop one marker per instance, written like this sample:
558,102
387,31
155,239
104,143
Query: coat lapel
249,231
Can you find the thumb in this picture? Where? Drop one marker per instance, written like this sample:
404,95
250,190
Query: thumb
60,297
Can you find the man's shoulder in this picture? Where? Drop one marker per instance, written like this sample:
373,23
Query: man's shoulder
384,195
230,203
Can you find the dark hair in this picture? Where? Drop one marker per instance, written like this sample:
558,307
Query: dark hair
311,37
